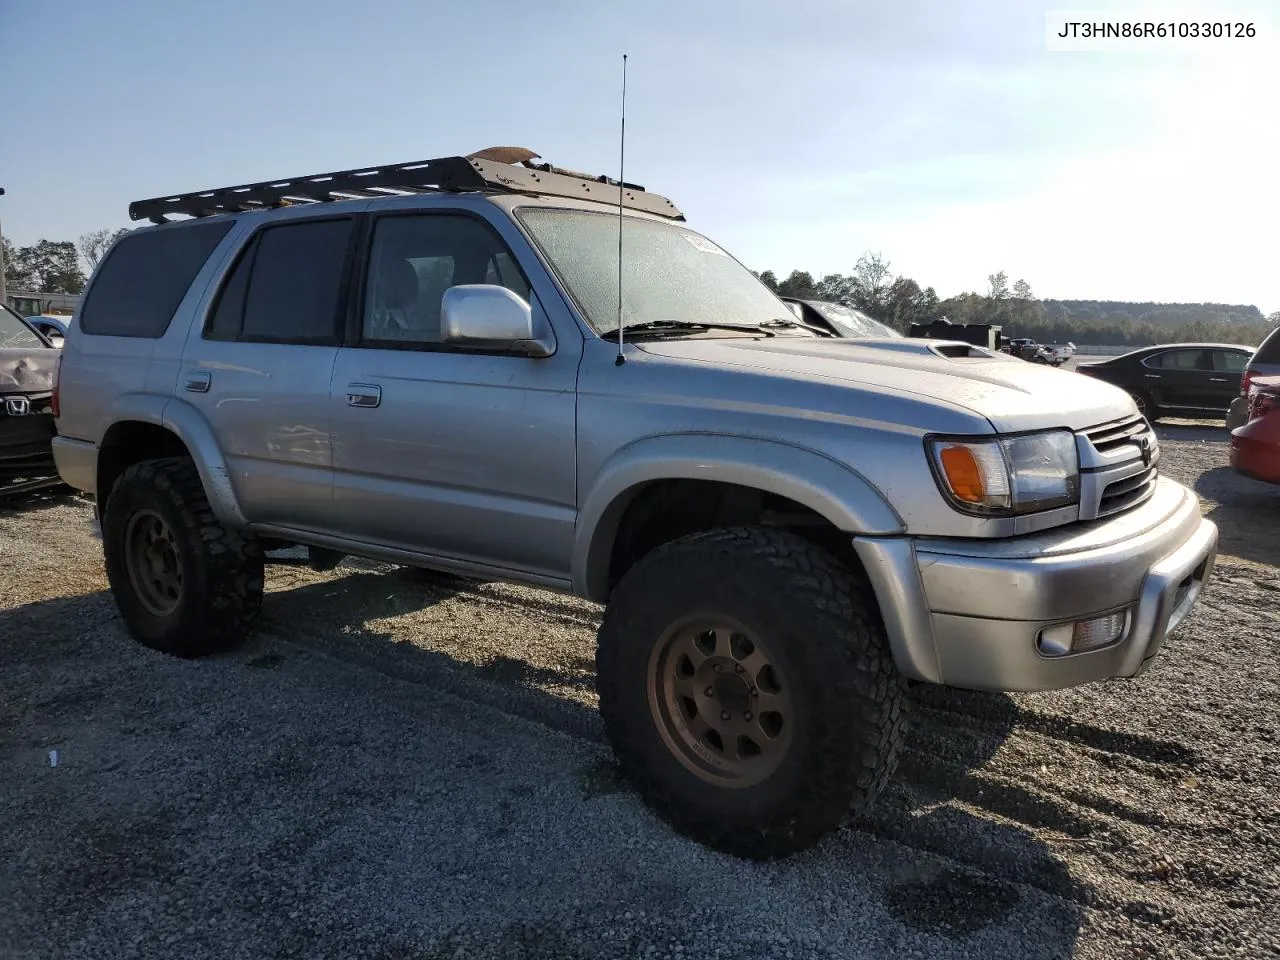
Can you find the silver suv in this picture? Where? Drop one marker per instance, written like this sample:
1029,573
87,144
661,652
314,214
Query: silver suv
423,364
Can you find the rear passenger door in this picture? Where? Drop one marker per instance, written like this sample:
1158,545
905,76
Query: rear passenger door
457,453
259,370
1177,378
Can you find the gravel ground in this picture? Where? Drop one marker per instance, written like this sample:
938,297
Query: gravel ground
399,768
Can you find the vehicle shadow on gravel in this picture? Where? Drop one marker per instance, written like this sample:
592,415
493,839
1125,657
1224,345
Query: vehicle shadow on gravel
931,861
32,500
975,828
1247,513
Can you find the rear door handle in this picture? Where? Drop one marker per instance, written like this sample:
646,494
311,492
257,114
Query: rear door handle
1217,379
197,382
364,395
1152,376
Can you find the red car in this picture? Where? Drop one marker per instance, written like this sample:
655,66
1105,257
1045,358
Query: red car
1255,447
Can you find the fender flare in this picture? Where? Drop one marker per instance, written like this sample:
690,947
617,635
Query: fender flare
832,489
194,430
189,426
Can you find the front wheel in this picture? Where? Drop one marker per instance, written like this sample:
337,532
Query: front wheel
1146,406
748,691
184,583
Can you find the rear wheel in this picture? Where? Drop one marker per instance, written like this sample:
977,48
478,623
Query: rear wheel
184,583
747,690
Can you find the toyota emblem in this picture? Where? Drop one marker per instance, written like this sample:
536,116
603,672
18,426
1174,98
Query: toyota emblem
17,406
1144,448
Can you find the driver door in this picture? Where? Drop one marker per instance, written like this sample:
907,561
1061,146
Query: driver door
438,450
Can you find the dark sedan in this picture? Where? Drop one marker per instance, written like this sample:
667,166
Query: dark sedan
1197,380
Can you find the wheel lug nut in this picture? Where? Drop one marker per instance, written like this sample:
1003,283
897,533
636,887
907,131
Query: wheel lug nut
710,691
719,668
747,715
724,715
740,668
755,692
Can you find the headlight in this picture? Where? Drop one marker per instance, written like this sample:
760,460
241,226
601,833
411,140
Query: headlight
1008,475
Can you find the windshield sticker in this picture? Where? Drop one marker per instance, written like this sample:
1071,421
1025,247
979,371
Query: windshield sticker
703,244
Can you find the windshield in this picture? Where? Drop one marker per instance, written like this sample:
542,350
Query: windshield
853,323
669,272
15,333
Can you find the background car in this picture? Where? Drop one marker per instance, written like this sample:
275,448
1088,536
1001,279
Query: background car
1265,362
841,320
27,364
1060,353
53,328
1197,380
1255,447
1029,350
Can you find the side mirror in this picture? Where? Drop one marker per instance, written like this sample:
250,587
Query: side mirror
488,316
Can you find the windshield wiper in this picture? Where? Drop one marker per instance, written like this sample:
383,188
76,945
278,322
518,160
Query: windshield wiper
796,323
672,326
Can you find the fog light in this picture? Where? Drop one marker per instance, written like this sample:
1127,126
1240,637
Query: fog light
1082,636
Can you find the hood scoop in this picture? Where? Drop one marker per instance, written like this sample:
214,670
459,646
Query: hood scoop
959,350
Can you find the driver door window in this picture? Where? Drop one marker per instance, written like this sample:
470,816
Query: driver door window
1230,361
414,260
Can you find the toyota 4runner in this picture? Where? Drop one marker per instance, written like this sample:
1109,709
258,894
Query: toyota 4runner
422,364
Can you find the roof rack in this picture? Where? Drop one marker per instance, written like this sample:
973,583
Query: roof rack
487,170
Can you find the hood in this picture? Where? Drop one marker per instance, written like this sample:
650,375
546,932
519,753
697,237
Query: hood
27,369
1011,393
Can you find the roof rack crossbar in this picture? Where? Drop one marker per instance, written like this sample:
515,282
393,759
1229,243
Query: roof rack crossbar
402,179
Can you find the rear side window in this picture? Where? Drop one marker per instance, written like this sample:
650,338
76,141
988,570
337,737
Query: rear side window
287,285
146,275
1177,360
1269,352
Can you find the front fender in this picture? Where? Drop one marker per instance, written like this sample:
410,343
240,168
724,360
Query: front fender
832,489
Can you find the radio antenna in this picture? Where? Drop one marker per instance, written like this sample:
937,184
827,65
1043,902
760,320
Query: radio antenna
622,167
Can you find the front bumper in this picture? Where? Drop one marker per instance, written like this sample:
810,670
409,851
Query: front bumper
25,445
967,613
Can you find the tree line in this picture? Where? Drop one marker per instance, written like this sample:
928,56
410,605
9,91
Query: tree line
63,266
56,266
900,301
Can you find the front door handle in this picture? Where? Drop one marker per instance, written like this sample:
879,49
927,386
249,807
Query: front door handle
197,382
1217,379
1152,376
364,395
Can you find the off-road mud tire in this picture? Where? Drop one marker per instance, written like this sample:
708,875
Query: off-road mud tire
822,620
222,570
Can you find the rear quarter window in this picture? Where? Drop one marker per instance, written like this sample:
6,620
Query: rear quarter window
144,278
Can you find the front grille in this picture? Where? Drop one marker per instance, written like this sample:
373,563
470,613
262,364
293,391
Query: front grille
1109,436
1113,474
38,404
1122,494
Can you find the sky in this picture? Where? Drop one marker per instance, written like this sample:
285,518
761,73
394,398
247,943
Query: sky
943,134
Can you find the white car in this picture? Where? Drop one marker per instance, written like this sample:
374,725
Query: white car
1060,353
